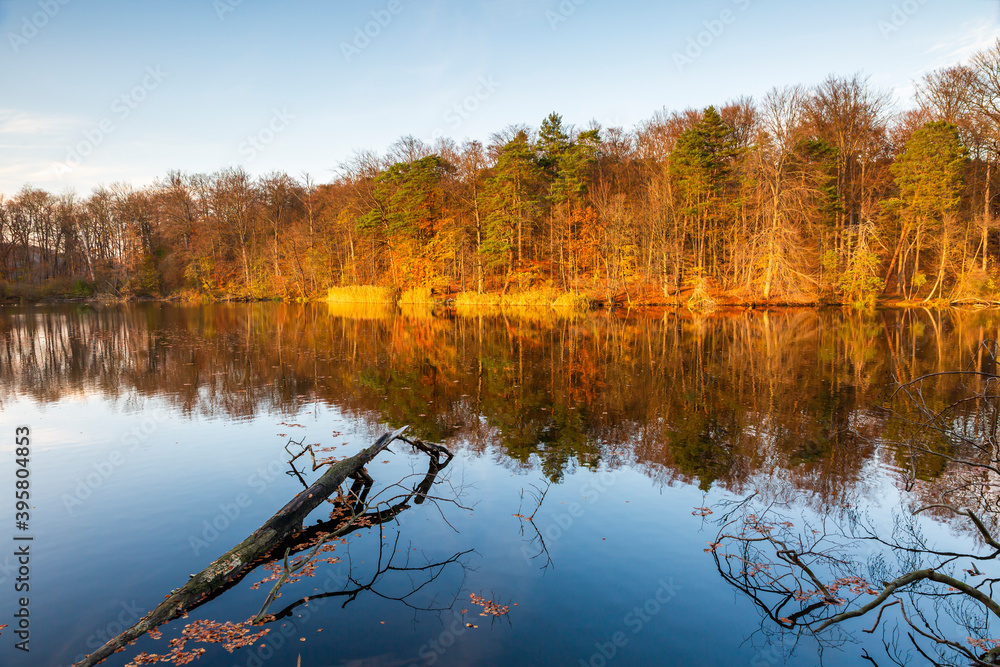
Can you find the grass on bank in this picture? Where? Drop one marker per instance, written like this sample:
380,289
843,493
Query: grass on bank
574,302
539,298
475,299
362,294
418,295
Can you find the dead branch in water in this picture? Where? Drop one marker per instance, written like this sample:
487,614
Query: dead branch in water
283,534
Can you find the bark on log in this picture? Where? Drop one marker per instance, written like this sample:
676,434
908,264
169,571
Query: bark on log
239,560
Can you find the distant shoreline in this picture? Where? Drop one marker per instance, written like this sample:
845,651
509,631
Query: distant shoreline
719,303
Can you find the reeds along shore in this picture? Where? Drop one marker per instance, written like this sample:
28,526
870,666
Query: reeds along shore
541,298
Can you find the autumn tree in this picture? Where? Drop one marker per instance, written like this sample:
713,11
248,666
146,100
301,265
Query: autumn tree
511,198
851,116
791,199
234,201
573,223
470,167
701,164
409,212
929,177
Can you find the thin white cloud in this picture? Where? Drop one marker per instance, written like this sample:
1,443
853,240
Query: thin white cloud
974,36
34,147
23,123
48,176
958,47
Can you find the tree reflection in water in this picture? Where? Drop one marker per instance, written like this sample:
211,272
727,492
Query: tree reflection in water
791,403
932,601
704,399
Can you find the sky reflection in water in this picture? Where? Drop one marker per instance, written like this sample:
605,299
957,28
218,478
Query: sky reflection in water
151,423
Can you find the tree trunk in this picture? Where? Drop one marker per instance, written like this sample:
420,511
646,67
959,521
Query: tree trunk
480,273
986,209
939,282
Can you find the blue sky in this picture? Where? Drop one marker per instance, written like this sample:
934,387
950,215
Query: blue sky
99,91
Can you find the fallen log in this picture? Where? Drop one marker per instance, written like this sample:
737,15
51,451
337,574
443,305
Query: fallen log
245,556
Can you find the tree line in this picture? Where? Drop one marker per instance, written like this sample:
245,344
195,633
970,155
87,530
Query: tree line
822,193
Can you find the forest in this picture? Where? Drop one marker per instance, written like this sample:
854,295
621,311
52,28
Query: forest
822,194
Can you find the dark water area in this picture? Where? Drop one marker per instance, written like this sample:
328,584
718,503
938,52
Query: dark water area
158,442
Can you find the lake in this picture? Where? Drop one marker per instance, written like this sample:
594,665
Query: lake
158,442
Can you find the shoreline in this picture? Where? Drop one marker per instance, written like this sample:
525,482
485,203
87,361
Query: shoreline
719,304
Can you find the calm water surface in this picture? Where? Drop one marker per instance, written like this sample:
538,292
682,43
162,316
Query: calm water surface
159,436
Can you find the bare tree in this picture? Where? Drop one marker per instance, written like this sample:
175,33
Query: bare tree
852,116
234,202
